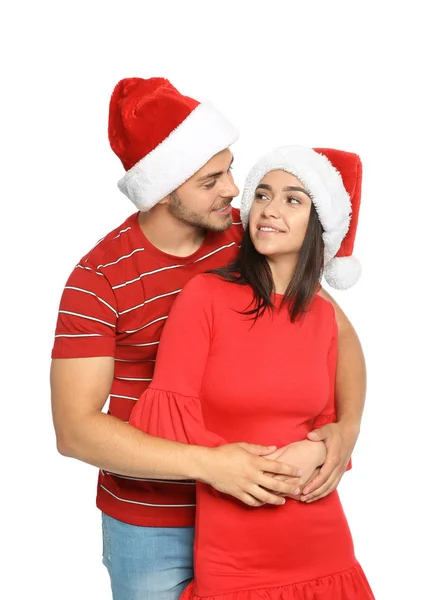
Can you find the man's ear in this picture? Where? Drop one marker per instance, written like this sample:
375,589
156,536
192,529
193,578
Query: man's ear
165,200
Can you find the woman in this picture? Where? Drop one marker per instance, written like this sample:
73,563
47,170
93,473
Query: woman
260,365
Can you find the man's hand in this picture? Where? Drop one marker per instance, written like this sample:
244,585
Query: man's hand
243,471
339,440
298,496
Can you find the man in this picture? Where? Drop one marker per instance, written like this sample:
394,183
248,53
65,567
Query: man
113,309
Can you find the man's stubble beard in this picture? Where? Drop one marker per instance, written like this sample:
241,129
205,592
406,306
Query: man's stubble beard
177,208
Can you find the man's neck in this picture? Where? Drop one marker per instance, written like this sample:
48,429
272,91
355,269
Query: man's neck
170,235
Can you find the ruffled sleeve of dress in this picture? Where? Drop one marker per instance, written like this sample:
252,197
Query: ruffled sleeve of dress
329,414
170,407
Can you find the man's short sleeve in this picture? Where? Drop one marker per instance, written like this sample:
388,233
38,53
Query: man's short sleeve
87,317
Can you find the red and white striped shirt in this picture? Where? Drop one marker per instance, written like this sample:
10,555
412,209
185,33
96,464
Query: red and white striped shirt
115,303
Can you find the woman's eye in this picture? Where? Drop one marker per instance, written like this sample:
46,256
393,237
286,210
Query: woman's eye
293,200
260,196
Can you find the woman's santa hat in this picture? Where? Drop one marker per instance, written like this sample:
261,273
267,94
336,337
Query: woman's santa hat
333,179
162,137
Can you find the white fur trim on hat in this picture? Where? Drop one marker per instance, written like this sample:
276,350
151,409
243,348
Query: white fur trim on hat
321,180
204,133
342,272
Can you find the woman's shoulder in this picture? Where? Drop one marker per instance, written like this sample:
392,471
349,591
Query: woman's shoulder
323,306
209,283
205,283
200,294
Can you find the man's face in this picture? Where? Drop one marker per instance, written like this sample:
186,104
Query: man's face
205,199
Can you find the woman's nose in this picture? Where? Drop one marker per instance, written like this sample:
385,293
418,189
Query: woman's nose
272,209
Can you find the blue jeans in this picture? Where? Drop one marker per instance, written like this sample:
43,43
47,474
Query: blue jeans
147,563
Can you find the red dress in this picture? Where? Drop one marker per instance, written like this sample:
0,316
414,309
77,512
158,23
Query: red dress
219,379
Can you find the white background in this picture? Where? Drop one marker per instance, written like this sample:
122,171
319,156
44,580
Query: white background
351,75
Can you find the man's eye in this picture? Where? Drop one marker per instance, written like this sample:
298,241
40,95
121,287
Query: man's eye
208,186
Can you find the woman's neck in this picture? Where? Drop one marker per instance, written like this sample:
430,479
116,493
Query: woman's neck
282,269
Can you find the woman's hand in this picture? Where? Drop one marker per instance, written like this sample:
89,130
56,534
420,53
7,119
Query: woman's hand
306,455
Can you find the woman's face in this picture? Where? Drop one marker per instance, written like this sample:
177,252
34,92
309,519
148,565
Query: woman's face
279,215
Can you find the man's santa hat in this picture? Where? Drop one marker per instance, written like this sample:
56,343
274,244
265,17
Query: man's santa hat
333,179
162,137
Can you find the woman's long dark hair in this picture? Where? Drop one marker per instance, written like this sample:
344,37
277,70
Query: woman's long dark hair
251,268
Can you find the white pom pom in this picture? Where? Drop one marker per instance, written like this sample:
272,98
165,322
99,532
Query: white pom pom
342,272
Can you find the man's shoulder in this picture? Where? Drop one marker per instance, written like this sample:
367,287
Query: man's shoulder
114,245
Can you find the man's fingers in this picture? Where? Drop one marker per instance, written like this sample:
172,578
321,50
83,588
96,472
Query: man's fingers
318,435
257,449
279,477
251,500
325,473
320,496
317,483
291,486
324,490
279,468
265,495
297,497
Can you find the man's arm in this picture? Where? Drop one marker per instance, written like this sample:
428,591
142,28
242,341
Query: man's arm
351,379
80,387
350,389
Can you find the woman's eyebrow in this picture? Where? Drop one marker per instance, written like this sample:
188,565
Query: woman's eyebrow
287,188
